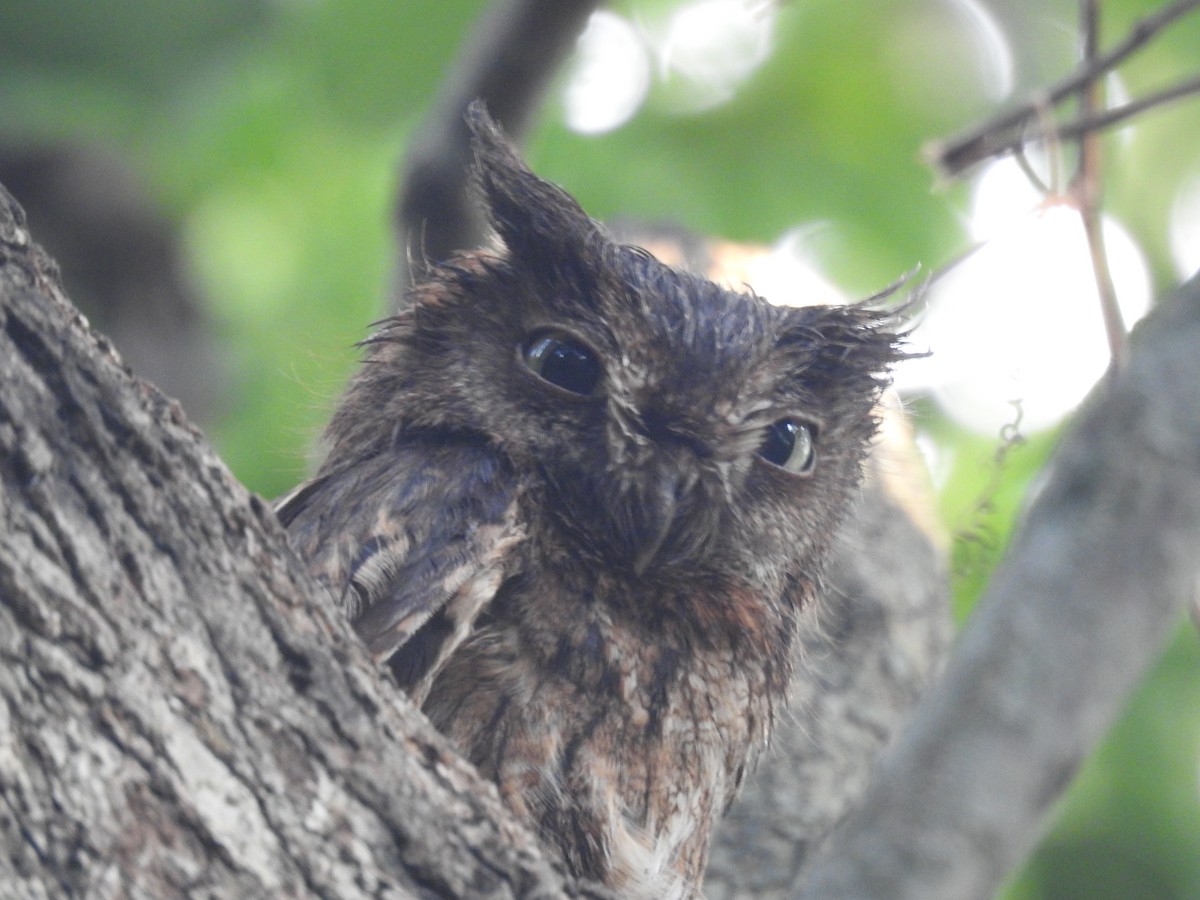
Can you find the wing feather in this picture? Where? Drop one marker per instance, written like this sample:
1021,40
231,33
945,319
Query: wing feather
415,541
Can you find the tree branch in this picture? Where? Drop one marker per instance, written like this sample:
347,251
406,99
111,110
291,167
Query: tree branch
1087,188
1006,132
512,53
1093,584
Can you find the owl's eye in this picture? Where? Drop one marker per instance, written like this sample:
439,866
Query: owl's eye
563,361
791,445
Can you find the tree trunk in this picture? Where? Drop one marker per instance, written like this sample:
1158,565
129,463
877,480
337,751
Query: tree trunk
181,714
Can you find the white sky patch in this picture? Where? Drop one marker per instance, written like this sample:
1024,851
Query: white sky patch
1019,320
609,76
713,46
1002,198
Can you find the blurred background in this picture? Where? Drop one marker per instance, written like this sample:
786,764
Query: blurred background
216,181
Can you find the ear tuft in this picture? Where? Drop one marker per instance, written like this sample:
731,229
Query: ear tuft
536,220
849,346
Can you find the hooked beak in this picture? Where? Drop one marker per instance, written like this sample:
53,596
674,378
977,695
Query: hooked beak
658,522
656,514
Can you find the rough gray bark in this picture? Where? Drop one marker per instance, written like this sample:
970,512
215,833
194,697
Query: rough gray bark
1095,580
180,715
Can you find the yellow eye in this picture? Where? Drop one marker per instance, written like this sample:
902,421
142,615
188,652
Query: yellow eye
792,445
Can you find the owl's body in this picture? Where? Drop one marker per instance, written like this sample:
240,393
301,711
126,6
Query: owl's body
576,500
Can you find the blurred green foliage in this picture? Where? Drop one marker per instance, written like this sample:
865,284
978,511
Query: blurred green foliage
270,133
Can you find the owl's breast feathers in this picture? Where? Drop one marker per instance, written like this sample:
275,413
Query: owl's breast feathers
616,712
621,736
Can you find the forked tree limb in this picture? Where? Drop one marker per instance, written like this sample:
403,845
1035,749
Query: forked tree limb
182,712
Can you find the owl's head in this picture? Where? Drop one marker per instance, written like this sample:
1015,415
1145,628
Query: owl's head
666,424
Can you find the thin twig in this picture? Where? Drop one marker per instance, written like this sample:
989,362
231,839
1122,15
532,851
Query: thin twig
1118,114
1086,188
1027,169
995,136
998,145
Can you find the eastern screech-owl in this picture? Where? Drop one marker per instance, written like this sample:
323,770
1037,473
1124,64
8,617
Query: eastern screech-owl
576,499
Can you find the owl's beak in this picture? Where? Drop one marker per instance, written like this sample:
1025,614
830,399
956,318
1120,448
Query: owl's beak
659,512
659,524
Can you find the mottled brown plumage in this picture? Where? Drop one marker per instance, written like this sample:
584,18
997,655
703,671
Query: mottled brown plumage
576,500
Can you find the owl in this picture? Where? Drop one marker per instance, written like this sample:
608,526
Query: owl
575,500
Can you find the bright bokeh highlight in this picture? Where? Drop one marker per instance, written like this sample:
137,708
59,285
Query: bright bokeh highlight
1016,329
791,274
609,76
713,46
992,51
698,55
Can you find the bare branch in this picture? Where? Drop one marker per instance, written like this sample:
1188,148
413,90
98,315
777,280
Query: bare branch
1007,131
1093,584
508,61
1119,114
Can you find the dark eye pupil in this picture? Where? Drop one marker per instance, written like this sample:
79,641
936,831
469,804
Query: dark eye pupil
780,440
790,445
564,363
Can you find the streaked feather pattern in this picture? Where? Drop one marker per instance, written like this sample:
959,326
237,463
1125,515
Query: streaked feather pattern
591,579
